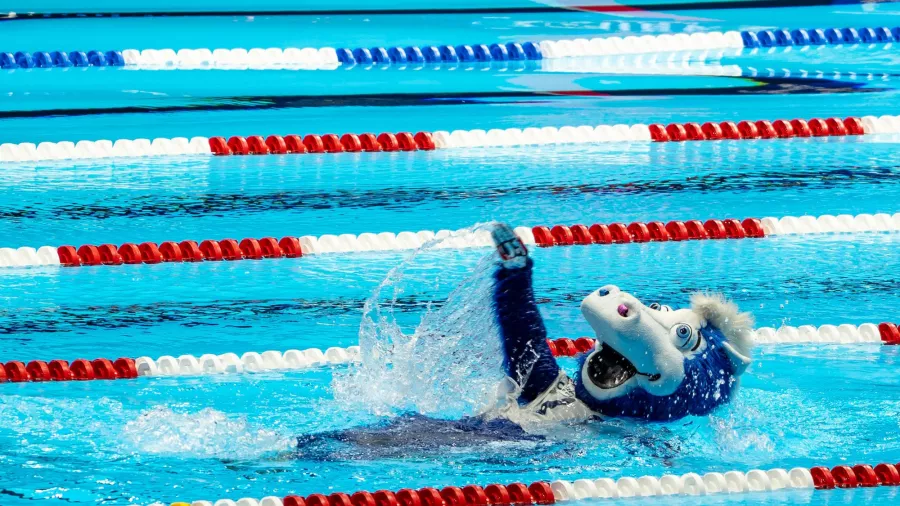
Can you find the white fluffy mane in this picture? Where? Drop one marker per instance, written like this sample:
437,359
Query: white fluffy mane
725,316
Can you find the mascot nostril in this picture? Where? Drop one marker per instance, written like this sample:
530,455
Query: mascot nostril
650,362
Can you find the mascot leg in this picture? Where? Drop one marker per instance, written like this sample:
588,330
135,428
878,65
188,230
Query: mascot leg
528,359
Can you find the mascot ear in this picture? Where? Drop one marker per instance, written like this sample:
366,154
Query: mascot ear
735,326
739,361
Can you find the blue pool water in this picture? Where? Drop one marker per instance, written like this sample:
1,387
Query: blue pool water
167,439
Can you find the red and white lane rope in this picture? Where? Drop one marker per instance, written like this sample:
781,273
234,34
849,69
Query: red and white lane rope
252,362
189,365
206,146
16,371
885,333
514,494
551,492
457,139
558,235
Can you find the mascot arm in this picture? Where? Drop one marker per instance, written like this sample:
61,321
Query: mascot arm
528,359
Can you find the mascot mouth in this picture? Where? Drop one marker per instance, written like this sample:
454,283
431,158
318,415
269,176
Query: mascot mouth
608,369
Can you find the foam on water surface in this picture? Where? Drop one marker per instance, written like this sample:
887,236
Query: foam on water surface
206,433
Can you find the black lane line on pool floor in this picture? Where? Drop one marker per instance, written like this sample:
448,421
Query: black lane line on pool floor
766,86
21,324
408,199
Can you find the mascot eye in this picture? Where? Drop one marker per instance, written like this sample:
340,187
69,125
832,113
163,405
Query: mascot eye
655,306
686,335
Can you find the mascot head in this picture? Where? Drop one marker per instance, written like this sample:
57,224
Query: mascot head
653,363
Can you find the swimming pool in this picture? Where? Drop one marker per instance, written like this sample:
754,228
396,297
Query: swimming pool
197,437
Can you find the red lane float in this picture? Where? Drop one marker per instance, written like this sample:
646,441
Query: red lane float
60,370
514,494
561,235
565,347
860,475
762,129
889,333
185,251
327,143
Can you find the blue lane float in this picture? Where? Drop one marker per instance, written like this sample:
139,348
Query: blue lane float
820,36
43,59
511,51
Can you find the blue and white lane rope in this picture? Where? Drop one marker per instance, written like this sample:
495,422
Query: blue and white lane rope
330,58
820,37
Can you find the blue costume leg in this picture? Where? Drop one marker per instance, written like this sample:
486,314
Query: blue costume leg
529,361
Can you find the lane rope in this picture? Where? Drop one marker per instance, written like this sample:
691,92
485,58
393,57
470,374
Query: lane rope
543,236
458,139
189,365
551,492
885,333
330,58
15,371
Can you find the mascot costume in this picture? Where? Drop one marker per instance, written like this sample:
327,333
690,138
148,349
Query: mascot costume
649,363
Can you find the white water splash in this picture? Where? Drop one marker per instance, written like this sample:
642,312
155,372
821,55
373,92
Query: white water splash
206,433
446,364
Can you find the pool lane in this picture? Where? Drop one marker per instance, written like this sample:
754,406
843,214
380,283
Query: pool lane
173,309
354,193
122,91
485,113
217,197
